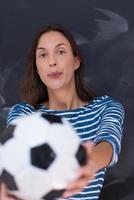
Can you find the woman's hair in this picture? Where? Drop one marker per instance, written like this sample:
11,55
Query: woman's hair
33,90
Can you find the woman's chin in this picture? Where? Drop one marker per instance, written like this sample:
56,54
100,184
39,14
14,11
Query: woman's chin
56,87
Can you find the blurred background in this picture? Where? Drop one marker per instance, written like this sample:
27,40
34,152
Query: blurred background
104,31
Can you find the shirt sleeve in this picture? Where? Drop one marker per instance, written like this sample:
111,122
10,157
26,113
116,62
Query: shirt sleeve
111,128
18,110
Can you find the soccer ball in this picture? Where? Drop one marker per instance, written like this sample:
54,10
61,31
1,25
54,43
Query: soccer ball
39,156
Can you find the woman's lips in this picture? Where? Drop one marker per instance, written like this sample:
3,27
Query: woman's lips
55,75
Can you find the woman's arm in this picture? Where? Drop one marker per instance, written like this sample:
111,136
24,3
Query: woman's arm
105,149
102,154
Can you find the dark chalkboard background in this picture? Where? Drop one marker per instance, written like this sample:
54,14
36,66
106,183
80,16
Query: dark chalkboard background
105,32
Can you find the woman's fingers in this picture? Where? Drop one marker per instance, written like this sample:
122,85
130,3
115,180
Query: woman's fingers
77,185
85,174
4,193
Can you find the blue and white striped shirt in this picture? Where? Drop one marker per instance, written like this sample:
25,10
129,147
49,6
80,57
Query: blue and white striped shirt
100,120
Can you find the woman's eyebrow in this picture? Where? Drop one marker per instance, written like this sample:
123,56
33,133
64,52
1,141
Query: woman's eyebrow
60,44
40,48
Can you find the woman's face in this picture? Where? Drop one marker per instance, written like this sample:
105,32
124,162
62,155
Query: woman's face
55,61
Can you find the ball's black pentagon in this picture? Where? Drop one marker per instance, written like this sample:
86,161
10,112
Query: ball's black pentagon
8,179
42,156
53,194
81,155
7,134
52,118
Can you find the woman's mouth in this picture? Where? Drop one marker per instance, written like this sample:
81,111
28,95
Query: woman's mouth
55,75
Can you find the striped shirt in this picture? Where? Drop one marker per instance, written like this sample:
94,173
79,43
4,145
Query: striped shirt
99,120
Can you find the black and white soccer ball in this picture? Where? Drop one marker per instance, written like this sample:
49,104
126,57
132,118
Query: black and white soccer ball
39,156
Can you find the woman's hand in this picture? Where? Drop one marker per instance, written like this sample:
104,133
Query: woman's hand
4,193
85,174
98,157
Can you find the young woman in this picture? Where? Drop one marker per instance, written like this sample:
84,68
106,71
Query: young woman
54,84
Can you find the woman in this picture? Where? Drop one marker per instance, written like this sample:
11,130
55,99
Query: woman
54,84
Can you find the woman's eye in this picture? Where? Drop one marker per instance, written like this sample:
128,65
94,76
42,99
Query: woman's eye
42,55
61,51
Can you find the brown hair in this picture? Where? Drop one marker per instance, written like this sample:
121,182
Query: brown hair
33,90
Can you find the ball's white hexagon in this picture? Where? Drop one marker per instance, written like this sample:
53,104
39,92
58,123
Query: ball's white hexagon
66,143
33,182
32,129
63,171
15,156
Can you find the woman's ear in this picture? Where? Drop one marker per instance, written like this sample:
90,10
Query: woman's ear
77,63
37,71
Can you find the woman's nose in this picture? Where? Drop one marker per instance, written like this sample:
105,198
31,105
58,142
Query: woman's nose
52,61
52,64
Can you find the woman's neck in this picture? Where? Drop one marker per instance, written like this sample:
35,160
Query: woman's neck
63,100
